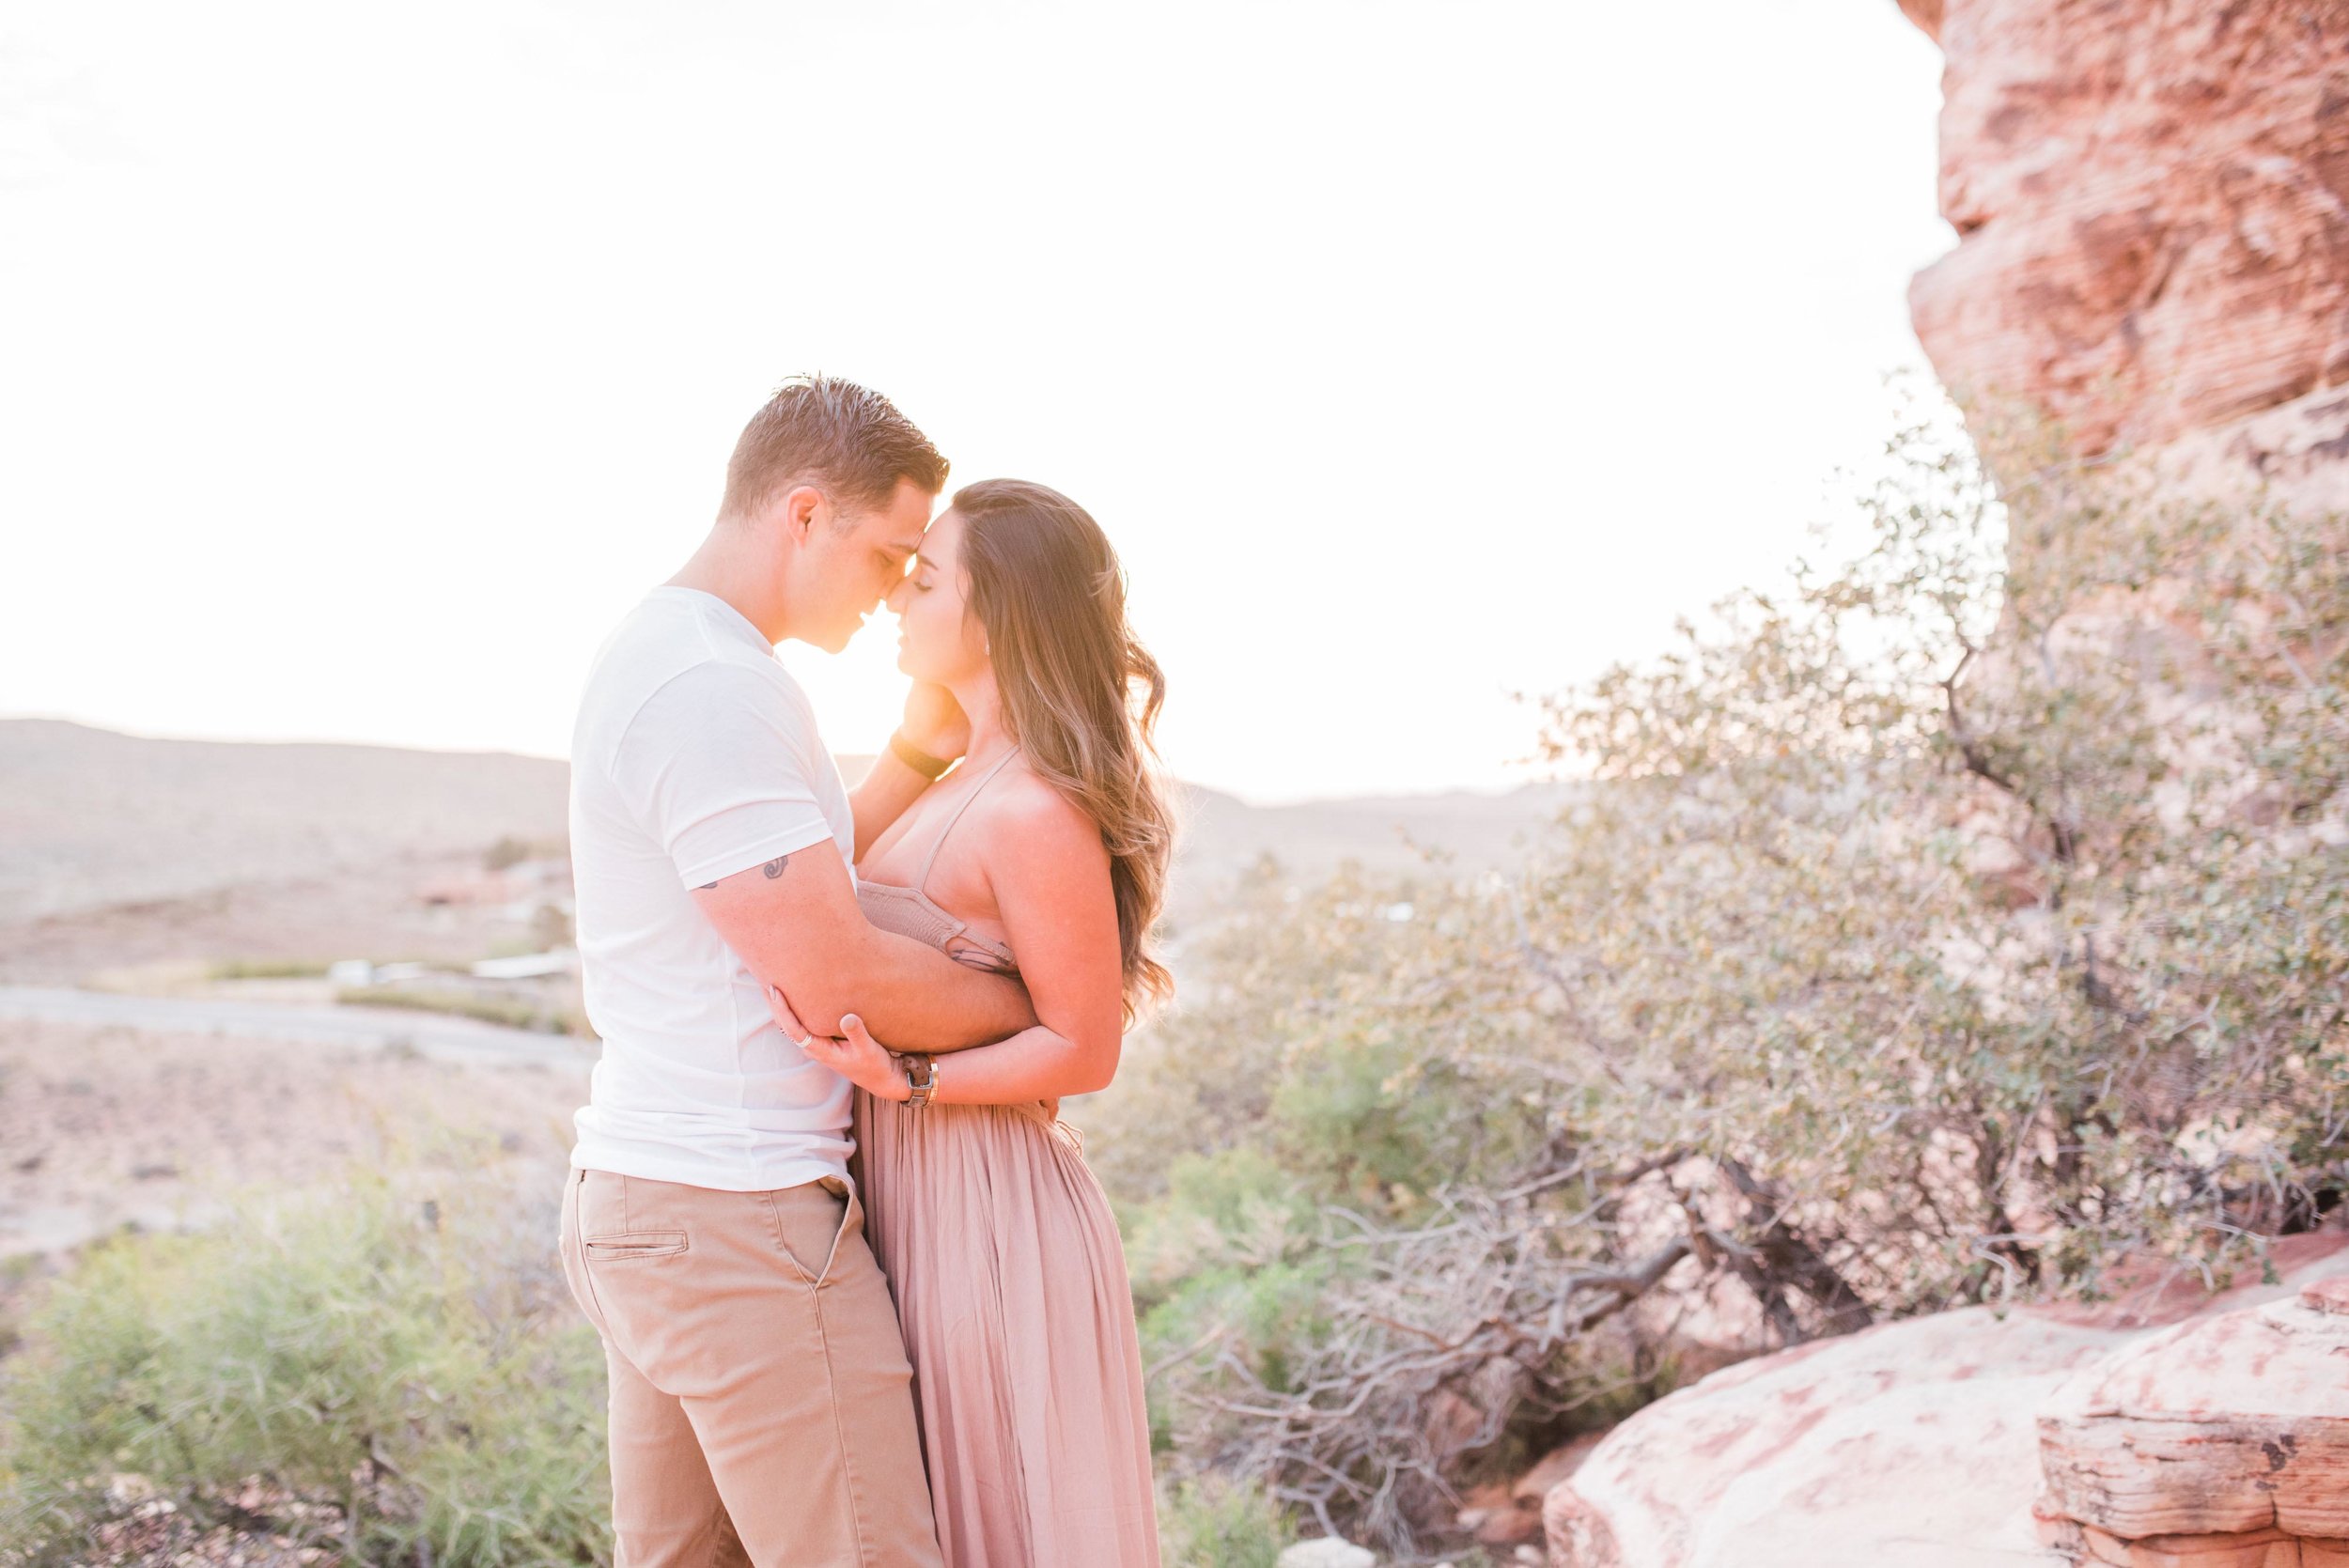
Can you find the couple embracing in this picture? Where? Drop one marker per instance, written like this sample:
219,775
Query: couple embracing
861,1299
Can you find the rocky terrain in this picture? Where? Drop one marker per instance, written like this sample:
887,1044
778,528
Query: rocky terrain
2166,1427
2152,204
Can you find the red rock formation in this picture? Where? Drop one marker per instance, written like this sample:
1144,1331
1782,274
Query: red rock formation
2152,205
1919,1442
2224,1441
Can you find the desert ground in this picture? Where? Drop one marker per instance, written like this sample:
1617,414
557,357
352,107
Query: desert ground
107,1127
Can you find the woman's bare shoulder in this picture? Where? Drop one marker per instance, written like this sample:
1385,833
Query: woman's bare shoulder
1030,815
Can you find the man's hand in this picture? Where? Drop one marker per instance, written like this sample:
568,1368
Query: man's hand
794,921
855,1056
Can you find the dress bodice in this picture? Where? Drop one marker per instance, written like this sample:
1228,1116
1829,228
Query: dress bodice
910,912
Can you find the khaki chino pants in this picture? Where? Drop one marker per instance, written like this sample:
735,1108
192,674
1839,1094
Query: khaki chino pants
762,1409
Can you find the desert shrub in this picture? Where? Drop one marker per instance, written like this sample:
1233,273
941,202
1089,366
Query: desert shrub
269,969
400,1368
1212,1522
538,1013
1954,926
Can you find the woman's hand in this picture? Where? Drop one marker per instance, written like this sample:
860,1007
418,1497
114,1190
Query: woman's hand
935,722
857,1056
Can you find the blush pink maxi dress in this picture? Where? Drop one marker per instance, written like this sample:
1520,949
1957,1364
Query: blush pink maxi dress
1011,1290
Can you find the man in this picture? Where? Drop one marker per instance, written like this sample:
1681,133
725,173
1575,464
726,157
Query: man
760,1405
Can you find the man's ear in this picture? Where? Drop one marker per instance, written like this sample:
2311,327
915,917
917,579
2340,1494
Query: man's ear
803,508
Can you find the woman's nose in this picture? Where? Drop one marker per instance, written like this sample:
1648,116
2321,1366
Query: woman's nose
896,598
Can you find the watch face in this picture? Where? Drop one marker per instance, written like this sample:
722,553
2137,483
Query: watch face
923,1086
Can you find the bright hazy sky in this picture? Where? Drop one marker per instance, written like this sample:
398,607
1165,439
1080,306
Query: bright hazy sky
359,365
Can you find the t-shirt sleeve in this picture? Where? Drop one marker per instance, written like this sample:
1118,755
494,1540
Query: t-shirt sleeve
717,768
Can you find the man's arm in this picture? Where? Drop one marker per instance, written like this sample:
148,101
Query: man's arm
796,923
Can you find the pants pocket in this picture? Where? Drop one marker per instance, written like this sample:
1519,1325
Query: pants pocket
851,1227
810,1223
633,1246
610,1233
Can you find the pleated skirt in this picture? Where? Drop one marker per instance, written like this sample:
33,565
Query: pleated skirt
1011,1290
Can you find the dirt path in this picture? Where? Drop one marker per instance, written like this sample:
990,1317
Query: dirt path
435,1035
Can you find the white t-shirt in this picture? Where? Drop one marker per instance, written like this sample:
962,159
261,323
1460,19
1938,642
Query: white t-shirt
695,757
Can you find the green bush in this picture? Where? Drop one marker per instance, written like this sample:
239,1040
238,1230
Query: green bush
1215,1523
269,969
406,1354
511,1011
1960,923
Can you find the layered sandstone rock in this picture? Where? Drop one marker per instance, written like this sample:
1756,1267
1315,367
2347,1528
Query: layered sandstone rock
2224,1441
1919,1442
2152,205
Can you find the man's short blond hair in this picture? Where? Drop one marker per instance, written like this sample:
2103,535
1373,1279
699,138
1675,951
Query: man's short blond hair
847,440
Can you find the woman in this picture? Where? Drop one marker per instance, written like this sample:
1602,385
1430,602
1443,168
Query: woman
1051,842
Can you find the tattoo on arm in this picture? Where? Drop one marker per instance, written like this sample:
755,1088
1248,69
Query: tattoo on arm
772,868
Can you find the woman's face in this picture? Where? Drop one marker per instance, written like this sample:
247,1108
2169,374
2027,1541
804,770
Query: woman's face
939,638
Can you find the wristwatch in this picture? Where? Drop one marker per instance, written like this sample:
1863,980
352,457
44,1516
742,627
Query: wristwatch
924,1087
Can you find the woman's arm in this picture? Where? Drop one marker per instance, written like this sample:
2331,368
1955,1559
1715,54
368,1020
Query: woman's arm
882,796
933,722
795,922
1034,1064
1052,887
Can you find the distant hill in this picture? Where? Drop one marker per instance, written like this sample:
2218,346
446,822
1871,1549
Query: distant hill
90,818
1382,834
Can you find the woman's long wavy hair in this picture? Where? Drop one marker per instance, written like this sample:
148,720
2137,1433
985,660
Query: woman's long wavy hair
1079,695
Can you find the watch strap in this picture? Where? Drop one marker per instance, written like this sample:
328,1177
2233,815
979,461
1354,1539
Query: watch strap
931,768
924,1087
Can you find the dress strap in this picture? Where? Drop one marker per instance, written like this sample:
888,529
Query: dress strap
922,879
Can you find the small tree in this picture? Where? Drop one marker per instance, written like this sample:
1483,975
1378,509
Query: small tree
1950,927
